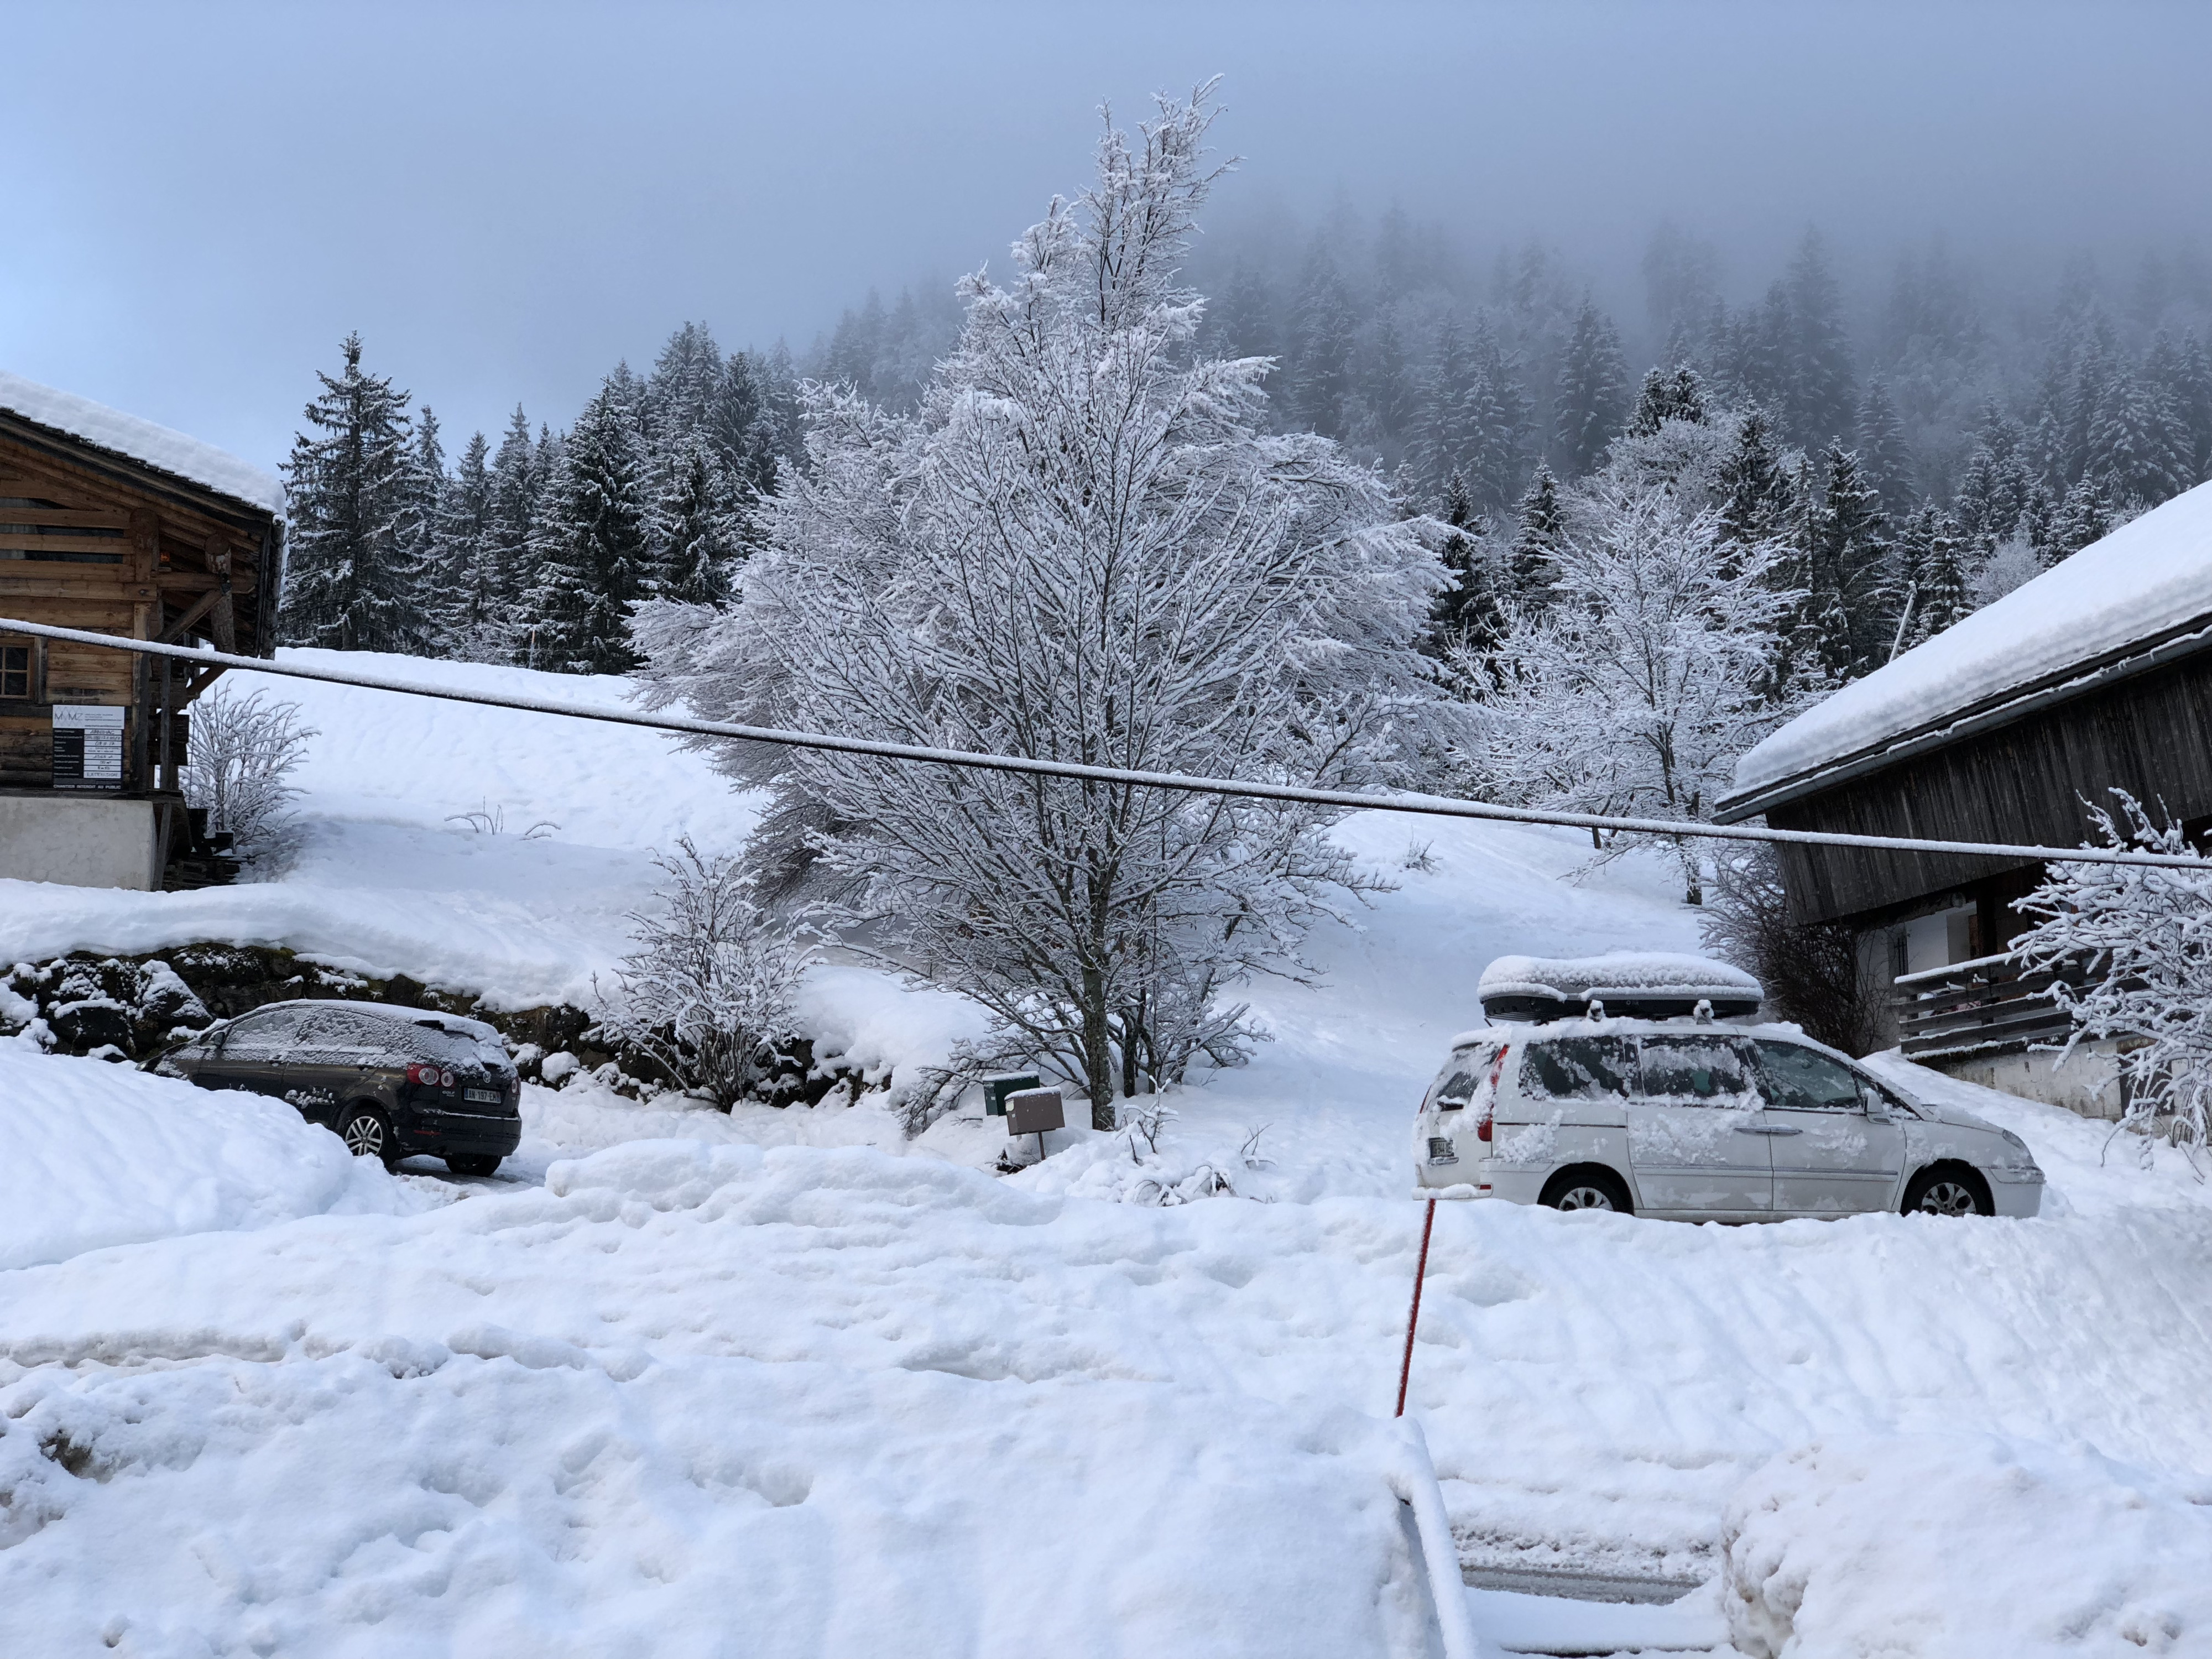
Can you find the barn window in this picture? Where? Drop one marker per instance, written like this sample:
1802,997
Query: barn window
15,672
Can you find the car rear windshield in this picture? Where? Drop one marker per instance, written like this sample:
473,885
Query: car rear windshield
336,1034
1465,1074
1579,1068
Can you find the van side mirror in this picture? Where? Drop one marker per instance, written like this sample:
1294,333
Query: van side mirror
1877,1107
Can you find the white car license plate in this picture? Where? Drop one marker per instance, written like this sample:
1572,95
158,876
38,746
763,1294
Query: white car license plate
488,1096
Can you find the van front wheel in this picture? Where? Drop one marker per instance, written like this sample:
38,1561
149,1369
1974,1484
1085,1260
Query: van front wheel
1587,1188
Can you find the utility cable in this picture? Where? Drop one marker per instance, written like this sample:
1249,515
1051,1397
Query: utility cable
1442,806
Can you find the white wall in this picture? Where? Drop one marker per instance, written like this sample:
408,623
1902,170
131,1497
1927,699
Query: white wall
79,841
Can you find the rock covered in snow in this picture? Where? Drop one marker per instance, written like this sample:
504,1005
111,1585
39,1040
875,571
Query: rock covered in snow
140,440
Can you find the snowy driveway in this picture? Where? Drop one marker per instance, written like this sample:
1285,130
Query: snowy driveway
714,1399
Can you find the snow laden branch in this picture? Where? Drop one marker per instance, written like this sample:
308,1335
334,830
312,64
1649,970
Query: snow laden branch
1085,547
1646,665
239,765
2142,938
707,989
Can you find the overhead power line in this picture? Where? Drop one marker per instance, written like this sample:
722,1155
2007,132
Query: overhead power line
1440,806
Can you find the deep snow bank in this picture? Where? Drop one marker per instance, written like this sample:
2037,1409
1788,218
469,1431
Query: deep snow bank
1965,1547
93,1154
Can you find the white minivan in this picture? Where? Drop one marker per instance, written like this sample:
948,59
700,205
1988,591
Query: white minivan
1691,1115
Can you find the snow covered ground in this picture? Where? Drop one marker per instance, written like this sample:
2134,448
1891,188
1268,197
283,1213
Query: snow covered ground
785,1383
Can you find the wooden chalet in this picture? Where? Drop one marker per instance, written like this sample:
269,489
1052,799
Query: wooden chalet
2095,676
115,525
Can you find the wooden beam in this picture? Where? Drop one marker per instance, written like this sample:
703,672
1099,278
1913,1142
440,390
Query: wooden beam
33,543
221,613
201,606
64,518
199,581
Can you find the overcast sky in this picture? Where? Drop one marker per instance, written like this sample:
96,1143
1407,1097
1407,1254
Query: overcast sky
201,200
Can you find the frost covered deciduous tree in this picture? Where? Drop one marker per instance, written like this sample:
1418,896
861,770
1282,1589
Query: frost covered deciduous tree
239,767
1648,674
707,991
2142,938
1083,546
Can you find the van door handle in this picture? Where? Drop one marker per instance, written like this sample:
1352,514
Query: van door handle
1768,1129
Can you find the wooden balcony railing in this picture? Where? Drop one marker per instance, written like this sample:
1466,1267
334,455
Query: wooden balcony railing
1985,1006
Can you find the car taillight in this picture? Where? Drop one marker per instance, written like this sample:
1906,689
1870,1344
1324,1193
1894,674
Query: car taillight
429,1077
1490,1094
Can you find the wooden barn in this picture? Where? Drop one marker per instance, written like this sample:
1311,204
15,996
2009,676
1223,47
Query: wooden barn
116,525
2097,675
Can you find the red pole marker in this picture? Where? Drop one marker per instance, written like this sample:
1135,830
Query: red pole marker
1413,1318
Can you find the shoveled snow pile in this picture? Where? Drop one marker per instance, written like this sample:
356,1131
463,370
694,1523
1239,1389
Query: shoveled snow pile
1967,1545
157,446
94,1154
2152,574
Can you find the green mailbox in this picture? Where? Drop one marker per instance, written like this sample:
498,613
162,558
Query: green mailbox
1000,1084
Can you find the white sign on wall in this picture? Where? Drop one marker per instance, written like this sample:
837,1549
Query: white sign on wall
87,746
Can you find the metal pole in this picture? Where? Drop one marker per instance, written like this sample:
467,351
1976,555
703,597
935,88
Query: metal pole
1413,1317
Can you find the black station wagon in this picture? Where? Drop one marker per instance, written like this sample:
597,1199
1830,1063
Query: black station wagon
389,1082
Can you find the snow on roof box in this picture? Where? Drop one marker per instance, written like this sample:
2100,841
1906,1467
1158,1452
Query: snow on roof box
2148,578
150,445
1633,984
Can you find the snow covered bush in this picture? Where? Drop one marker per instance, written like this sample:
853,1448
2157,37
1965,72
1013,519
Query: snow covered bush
2142,936
1647,671
1809,970
1086,546
708,988
241,755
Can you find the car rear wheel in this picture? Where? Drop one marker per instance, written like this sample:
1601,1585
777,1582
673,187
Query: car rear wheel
472,1163
1948,1190
1587,1189
367,1133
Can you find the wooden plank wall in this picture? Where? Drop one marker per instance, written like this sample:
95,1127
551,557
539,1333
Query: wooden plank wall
2028,782
81,547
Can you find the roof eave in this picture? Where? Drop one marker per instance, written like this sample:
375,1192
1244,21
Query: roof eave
2182,641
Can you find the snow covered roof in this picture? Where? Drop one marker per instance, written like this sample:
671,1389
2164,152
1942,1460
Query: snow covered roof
2149,580
150,445
1633,983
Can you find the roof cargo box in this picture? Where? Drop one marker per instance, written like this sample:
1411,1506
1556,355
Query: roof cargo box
1632,984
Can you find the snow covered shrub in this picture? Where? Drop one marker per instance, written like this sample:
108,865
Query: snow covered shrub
2143,938
1810,970
1649,668
1086,545
242,754
708,991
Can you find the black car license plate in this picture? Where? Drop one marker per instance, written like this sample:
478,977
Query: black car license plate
488,1096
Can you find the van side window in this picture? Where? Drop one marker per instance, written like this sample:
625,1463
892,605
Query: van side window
1704,1071
1579,1068
1802,1080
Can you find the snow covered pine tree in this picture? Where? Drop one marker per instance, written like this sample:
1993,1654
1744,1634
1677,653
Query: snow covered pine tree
1085,546
355,498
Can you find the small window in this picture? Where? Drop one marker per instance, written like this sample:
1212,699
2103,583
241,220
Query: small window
1700,1071
1800,1080
1467,1070
1579,1068
15,672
